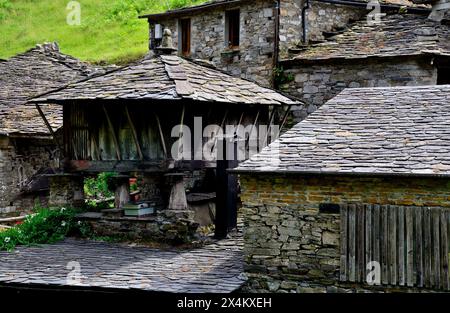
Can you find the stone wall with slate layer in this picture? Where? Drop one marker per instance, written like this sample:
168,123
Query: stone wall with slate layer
290,246
317,83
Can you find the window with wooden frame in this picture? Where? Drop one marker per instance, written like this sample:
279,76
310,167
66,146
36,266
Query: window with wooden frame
232,19
185,40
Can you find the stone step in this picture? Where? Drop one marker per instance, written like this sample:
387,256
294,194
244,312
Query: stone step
113,212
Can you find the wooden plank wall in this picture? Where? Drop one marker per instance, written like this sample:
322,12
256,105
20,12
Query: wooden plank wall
126,132
410,243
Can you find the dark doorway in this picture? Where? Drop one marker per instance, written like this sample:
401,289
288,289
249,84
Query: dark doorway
443,77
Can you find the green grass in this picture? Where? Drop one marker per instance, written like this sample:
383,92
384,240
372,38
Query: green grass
110,31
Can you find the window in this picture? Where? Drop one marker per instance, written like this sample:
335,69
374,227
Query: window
185,25
232,19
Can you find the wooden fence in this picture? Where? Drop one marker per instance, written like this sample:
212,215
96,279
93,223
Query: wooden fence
411,244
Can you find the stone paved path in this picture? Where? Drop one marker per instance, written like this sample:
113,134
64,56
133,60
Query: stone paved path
214,268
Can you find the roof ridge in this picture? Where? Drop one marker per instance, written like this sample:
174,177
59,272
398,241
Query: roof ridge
52,50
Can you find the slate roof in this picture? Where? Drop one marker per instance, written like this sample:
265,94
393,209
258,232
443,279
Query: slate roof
221,3
167,77
388,131
29,74
396,35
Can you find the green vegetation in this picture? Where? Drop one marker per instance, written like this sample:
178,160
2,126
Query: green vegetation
46,226
99,187
98,190
110,31
280,77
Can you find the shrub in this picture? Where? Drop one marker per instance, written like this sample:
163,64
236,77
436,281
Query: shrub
46,226
99,187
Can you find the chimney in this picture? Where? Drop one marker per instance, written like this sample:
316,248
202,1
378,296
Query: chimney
48,47
166,46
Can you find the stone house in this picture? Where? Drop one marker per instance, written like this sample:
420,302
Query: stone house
27,147
265,41
359,188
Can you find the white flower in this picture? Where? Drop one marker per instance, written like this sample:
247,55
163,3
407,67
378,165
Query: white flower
63,223
7,239
62,210
79,223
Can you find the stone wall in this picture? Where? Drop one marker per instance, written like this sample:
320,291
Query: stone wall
20,159
164,226
320,17
317,83
327,17
66,190
291,31
291,247
254,58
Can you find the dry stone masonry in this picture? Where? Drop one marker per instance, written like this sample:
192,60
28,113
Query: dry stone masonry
291,246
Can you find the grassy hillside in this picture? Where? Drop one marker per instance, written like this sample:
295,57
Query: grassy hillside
109,32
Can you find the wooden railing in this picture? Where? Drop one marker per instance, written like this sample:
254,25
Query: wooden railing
411,245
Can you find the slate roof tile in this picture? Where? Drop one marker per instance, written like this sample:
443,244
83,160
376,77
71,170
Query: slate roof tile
222,3
29,74
167,77
398,130
396,35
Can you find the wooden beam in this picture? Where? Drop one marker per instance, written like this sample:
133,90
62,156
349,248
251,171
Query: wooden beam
161,134
239,123
283,121
135,136
180,147
74,146
221,125
251,131
97,148
113,133
240,119
52,132
83,166
272,115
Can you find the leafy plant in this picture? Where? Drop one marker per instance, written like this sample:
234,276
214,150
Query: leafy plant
46,226
99,187
280,77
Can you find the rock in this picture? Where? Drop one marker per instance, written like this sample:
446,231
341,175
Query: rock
288,285
273,286
329,238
